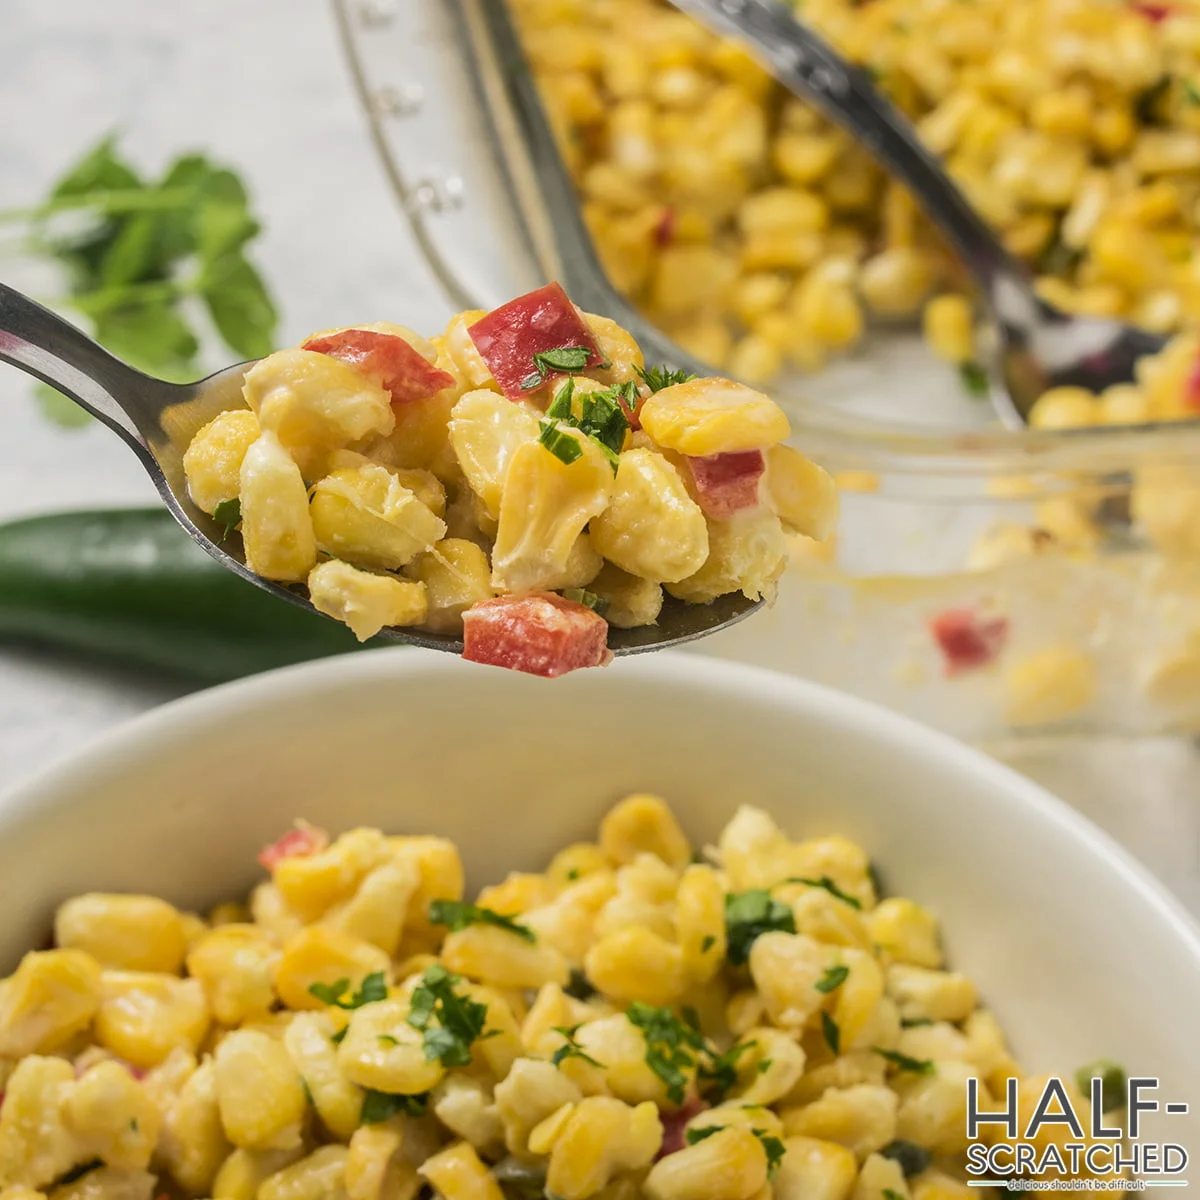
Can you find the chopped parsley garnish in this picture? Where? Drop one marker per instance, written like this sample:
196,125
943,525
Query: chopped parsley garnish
773,1147
374,987
657,378
133,1124
78,1172
974,379
708,943
458,914
1112,1088
573,873
598,604
382,1106
388,1040
915,1022
833,979
229,515
579,986
748,915
571,1048
564,447
338,1038
902,1062
1191,93
891,1194
672,1046
718,1077
692,1136
829,886
833,1035
765,1065
913,1159
308,1096
565,358
460,1019
602,415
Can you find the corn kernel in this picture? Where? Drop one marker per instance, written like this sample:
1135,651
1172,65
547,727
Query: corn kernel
636,964
1050,685
212,462
319,955
730,1165
52,996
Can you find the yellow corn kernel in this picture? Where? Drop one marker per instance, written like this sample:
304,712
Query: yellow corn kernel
113,1116
927,995
137,933
770,1069
366,516
632,601
755,360
192,1145
485,431
498,957
458,1173
320,955
783,210
308,1039
746,554
708,338
364,601
906,931
700,921
729,1165
467,1108
260,1094
1064,408
35,1145
600,1139
803,494
827,311
813,1169
575,861
532,1091
441,874
862,1118
320,1176
212,462
758,293
805,158
781,251
636,964
52,996
375,913
381,1050
517,893
688,278
878,1177
738,1116
895,282
311,884
643,824
786,968
143,1017
375,1169
245,1171
948,327
456,574
1053,684
713,416
315,404
234,964
545,506
1123,404
277,530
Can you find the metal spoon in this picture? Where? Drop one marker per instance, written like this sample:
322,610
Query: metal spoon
157,420
1038,346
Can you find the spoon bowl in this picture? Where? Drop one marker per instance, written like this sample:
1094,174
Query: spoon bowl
158,420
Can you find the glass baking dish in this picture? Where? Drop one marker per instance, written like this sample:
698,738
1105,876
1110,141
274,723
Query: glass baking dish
951,527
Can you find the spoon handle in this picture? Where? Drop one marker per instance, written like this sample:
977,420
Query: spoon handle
809,66
42,344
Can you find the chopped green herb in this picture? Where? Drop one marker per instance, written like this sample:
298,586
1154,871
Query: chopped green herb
388,1040
1147,103
308,1096
833,979
560,407
657,378
78,1172
1057,259
775,1150
765,1065
573,874
1113,1090
565,358
564,447
338,1038
598,604
708,943
913,1159
578,985
902,1062
833,1035
382,1106
915,1022
892,1194
718,1076
458,914
672,1046
829,886
571,1048
374,987
133,1124
748,915
691,1016
974,379
692,1136
1191,92
461,1020
229,514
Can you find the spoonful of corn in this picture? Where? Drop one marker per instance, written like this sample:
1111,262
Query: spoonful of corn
521,490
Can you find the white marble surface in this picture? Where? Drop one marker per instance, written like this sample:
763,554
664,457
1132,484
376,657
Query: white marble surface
262,85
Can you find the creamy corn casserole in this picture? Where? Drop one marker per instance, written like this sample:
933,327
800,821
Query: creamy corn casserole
637,1021
522,481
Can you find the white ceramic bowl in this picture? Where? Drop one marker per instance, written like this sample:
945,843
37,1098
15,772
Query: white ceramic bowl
1079,951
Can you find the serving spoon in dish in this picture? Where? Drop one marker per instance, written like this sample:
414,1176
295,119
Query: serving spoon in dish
1038,346
158,420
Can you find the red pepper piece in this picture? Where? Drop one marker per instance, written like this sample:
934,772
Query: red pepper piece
400,368
727,483
538,633
966,640
308,840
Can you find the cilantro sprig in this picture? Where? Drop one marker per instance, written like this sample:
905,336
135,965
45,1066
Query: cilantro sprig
831,1032
828,885
833,979
229,515
718,1076
373,987
672,1045
382,1106
459,1020
748,915
456,915
137,254
568,359
571,1048
601,415
657,378
902,1062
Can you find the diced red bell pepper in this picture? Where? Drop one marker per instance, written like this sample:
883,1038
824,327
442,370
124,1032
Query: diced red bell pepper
538,633
1191,388
1153,12
664,231
307,839
727,483
509,336
966,640
675,1126
400,368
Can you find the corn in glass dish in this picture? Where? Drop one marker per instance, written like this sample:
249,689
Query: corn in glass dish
637,1021
522,481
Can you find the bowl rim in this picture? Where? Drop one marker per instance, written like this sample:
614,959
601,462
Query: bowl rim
181,720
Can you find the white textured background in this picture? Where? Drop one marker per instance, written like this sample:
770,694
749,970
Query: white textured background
262,86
